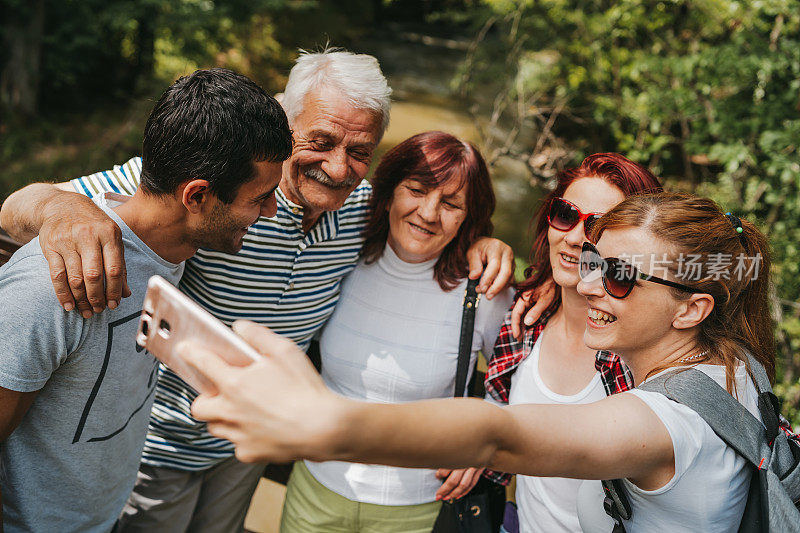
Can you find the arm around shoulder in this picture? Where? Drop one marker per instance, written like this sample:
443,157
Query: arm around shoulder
24,212
82,245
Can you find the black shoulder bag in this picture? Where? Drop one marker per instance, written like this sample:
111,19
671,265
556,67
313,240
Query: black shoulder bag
481,510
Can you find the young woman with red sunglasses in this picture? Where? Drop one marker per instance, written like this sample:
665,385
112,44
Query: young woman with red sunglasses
551,364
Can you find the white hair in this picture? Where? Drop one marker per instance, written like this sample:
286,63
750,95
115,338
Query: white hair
357,77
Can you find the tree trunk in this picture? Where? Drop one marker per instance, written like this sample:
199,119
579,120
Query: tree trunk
145,44
377,12
19,81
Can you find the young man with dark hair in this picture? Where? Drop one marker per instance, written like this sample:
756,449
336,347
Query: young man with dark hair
76,393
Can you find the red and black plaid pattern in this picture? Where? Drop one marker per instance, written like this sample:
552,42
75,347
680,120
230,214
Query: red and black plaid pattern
616,377
509,353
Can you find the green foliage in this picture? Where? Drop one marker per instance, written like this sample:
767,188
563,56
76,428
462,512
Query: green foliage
707,93
104,62
99,50
790,393
95,47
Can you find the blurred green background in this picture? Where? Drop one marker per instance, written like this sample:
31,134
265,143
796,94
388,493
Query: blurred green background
704,92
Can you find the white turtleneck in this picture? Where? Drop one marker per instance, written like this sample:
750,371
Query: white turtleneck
394,338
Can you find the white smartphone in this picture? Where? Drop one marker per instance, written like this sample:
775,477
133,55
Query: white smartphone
169,317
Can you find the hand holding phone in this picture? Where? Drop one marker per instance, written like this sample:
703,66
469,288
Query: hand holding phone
169,317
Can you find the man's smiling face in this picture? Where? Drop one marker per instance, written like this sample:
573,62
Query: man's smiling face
333,147
226,225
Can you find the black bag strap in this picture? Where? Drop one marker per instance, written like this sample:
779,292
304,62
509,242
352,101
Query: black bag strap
615,503
471,298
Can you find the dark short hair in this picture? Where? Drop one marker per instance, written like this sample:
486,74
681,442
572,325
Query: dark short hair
212,125
434,158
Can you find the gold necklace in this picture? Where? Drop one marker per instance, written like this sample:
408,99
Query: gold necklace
694,357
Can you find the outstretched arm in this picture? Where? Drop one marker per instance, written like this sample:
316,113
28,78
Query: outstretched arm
82,245
279,409
628,440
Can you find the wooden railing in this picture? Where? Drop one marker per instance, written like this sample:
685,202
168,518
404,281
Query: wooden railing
7,247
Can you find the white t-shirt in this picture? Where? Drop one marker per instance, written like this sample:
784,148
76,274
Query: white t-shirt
394,338
709,489
548,503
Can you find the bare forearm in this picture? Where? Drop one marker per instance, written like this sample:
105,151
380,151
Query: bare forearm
279,409
452,433
13,406
524,439
436,433
24,212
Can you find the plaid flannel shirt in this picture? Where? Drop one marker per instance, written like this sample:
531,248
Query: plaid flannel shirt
509,353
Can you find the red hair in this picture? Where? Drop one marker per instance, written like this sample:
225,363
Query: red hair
629,177
433,158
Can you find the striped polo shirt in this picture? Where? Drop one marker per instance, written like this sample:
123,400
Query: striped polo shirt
282,277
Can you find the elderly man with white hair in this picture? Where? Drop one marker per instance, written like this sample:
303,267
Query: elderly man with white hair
287,275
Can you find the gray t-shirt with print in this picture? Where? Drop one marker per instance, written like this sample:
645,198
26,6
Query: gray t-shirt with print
72,461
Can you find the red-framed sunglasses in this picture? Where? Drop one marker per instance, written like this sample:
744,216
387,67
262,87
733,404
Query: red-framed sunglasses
564,215
619,276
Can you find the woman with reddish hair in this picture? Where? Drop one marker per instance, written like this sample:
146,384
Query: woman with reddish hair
394,336
550,364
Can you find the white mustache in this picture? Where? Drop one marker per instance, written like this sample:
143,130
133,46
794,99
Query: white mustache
321,177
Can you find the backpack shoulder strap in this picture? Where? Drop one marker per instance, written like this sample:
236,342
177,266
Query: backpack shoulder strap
729,419
769,406
471,299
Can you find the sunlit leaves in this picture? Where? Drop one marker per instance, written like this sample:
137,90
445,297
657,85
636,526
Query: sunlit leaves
706,92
